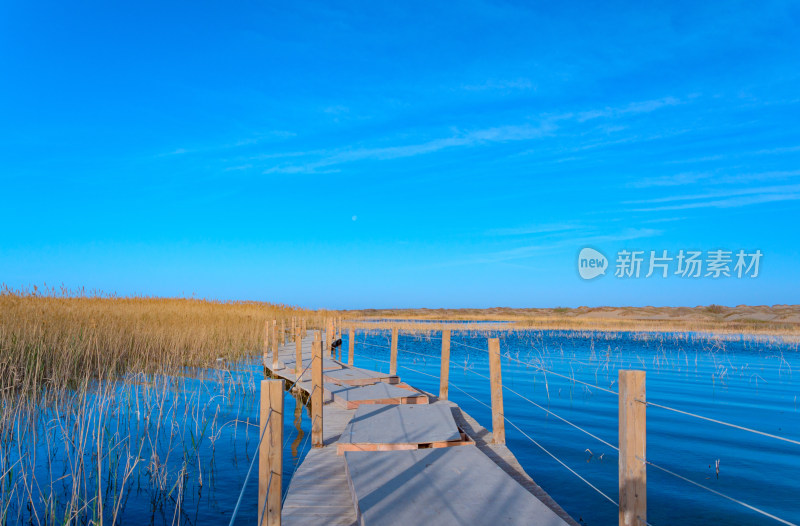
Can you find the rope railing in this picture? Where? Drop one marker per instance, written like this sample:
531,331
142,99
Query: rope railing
721,422
732,499
549,412
540,446
249,470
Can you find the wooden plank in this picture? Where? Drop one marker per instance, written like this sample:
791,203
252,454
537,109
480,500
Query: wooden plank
351,342
270,461
316,395
444,375
632,448
401,424
350,397
498,416
358,376
393,360
447,487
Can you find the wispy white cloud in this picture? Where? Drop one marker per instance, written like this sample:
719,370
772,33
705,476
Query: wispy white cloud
762,190
732,202
542,126
633,108
476,137
534,229
568,242
686,178
500,85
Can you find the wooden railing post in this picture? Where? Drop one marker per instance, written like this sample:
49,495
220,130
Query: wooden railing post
266,344
328,337
393,359
298,354
498,417
351,347
274,345
445,372
270,455
316,394
283,331
338,337
632,448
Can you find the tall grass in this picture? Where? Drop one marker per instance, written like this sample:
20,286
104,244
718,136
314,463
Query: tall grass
99,392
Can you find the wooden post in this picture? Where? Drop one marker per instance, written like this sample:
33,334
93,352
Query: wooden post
266,343
274,345
351,347
283,331
270,455
393,359
328,337
445,372
298,354
498,417
339,337
316,394
294,326
632,449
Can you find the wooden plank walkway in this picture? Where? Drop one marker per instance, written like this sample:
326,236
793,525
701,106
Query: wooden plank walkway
322,492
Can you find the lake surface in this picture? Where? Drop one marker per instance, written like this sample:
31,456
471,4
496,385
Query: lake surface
203,430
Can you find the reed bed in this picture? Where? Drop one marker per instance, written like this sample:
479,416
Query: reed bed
101,395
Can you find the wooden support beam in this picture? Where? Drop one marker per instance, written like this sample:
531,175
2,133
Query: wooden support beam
316,394
274,345
266,344
444,375
270,455
339,337
298,353
328,337
498,417
393,359
632,448
351,347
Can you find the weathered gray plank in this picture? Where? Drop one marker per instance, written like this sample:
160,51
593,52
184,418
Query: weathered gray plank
378,391
446,487
400,424
354,374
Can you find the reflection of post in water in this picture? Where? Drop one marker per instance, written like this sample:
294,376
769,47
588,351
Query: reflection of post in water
298,420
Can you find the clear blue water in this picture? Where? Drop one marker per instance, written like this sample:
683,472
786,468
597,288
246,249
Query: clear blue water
209,428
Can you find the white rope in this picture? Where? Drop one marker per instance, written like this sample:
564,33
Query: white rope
550,412
762,512
560,462
561,375
719,422
542,448
247,477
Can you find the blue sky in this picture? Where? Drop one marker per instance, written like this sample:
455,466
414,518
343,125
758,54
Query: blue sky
398,154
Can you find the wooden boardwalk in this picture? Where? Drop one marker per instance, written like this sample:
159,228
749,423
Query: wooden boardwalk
386,464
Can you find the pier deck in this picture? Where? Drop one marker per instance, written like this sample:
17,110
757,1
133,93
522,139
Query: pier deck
476,483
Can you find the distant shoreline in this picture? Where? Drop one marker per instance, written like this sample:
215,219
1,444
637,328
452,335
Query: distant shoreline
778,320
